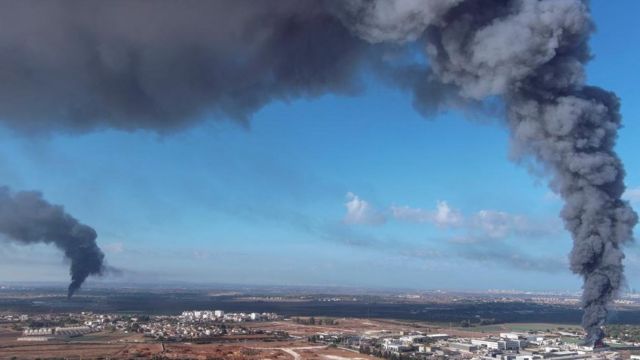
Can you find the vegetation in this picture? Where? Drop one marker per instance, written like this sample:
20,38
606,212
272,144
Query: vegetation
313,321
628,333
476,322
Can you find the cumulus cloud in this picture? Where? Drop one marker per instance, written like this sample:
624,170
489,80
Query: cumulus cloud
480,226
444,247
443,216
361,212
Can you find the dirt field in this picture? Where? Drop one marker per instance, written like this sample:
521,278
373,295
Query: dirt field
127,346
245,351
347,326
284,351
117,345
78,351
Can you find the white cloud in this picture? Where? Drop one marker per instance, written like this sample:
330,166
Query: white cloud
361,212
446,216
480,226
442,216
633,195
477,227
406,213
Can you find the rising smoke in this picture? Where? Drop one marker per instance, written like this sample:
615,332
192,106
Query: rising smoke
26,218
77,65
532,53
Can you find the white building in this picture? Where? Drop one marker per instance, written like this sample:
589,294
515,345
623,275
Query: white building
505,344
395,345
38,332
535,339
411,339
466,347
489,344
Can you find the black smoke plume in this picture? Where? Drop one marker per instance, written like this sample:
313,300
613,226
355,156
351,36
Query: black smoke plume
160,65
77,65
532,53
26,218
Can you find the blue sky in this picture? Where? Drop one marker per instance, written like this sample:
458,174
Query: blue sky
349,191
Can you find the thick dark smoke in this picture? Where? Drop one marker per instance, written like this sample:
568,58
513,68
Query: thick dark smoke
146,64
80,65
532,54
26,218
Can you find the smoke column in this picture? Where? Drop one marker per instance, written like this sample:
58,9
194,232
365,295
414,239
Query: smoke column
26,218
162,65
532,54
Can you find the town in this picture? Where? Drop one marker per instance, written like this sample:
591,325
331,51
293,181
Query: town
560,345
190,325
253,332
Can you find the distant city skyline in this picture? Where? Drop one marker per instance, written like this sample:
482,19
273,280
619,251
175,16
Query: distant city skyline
331,191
